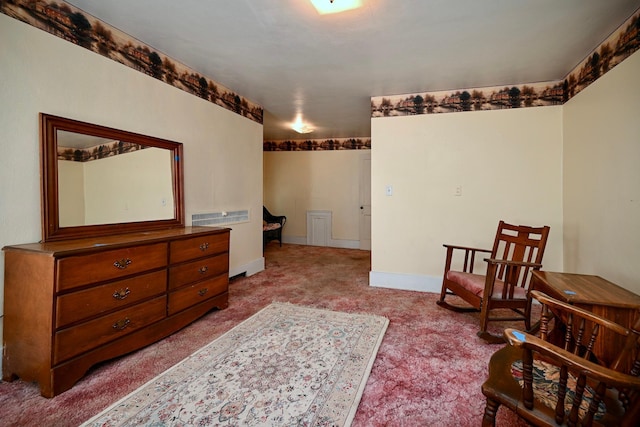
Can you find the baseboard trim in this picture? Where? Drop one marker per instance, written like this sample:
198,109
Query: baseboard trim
403,281
294,240
344,244
249,269
332,243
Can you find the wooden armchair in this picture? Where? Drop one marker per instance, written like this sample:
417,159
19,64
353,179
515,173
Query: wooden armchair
517,249
551,385
271,227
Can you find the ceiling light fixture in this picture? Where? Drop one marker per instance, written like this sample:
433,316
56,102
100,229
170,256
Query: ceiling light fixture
300,127
325,7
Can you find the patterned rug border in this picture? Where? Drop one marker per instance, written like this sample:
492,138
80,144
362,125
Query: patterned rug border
183,364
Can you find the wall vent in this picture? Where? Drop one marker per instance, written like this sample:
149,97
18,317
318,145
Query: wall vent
220,218
319,228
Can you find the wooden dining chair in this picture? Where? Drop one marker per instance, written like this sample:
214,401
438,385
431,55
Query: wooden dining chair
562,383
517,249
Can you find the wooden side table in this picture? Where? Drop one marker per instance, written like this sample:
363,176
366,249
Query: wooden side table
597,295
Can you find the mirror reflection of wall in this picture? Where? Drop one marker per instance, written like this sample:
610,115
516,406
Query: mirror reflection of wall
128,187
71,193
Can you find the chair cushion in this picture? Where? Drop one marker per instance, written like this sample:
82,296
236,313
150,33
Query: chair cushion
475,283
546,378
271,226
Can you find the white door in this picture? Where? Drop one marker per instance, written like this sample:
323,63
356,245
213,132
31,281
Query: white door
365,202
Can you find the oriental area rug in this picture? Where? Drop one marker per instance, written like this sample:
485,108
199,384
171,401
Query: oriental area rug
287,365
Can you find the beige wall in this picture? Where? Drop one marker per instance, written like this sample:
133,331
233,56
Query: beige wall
298,181
508,164
43,73
602,177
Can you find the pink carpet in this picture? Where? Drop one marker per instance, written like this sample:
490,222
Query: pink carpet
429,368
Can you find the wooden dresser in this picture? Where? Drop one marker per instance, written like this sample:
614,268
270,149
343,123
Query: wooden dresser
71,304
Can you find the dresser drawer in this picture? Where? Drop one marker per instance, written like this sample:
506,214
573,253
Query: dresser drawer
78,339
82,270
111,296
198,247
198,270
201,291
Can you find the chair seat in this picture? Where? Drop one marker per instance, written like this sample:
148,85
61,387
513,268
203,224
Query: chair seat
270,226
505,380
475,283
546,380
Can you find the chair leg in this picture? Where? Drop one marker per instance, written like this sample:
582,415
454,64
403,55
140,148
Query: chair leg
527,314
443,292
484,324
442,303
490,412
484,316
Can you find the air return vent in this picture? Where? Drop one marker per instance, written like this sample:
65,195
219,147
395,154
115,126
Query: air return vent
319,228
220,218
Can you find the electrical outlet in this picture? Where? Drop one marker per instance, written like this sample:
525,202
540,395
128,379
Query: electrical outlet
458,191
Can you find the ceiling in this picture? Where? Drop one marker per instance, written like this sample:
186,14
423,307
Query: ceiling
286,57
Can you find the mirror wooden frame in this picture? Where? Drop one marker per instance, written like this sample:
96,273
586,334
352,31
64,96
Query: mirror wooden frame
51,230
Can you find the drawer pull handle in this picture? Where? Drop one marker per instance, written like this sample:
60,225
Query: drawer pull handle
122,264
121,324
203,270
204,247
121,294
202,292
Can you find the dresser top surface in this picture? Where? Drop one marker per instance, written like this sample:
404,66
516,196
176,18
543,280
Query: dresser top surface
115,241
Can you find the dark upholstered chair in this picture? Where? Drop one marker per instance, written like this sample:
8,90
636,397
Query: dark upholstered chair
555,379
517,249
271,227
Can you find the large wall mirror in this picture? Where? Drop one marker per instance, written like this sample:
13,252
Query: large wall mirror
98,180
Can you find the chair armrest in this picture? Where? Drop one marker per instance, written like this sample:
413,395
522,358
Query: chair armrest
281,219
576,363
466,248
513,263
557,305
509,272
469,257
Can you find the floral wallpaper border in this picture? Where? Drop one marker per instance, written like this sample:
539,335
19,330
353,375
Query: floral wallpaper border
76,26
318,144
616,48
72,24
101,151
